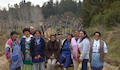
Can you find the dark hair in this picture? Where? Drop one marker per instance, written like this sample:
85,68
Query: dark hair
26,29
70,35
58,29
52,35
13,32
84,34
37,31
98,33
77,30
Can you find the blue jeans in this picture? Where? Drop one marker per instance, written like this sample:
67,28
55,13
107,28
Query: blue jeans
67,61
84,64
41,65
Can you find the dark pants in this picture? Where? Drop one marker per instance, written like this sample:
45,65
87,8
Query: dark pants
94,68
84,64
67,61
19,68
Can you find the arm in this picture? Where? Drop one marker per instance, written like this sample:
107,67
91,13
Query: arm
21,44
42,53
7,53
32,48
47,51
57,54
105,51
85,49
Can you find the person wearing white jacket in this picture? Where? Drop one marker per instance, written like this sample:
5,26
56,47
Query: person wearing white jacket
84,48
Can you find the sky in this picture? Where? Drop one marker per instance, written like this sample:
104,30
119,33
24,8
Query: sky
4,3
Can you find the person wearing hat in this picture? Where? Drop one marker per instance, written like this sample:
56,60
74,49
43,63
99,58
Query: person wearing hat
13,52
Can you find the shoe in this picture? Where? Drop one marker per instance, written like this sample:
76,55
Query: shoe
57,65
64,69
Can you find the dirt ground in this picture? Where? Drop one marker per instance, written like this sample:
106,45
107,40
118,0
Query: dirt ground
4,65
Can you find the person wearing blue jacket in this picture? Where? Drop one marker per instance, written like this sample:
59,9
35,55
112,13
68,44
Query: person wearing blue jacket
65,53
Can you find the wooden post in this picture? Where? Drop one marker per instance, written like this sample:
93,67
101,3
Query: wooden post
72,25
66,24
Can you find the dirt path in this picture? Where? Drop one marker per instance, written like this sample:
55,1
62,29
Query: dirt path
4,65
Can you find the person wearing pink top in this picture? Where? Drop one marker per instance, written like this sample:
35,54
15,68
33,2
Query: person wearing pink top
73,48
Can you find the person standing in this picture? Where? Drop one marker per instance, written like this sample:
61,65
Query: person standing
73,48
25,49
98,51
31,30
13,52
84,48
37,49
52,52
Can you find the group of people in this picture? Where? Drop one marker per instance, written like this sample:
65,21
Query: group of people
32,51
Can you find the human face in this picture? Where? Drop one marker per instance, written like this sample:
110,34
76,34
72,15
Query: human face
97,36
32,30
14,36
76,33
52,38
82,35
69,38
58,31
37,35
27,33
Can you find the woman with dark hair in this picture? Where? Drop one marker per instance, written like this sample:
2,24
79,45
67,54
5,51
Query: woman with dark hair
84,47
73,48
37,49
65,53
25,49
52,52
98,51
13,52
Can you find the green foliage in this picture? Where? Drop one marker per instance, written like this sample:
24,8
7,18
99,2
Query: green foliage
109,18
49,8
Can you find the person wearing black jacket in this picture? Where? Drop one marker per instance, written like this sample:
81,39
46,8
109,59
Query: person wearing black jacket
37,49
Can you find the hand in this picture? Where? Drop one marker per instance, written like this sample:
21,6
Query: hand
39,56
80,60
52,57
74,56
104,58
22,56
89,60
36,58
10,60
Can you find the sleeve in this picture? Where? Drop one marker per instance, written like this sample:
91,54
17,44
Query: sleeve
85,49
7,52
43,49
70,47
57,54
21,44
105,48
32,48
9,42
47,51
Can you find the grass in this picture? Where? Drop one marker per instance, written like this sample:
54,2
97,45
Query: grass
112,39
